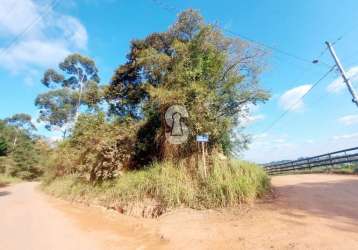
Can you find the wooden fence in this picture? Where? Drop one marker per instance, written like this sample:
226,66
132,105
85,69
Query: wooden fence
339,157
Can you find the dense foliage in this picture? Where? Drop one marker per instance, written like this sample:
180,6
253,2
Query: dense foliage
192,64
114,145
3,147
21,152
96,150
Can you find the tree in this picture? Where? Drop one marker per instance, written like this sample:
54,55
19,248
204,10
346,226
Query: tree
192,64
57,107
20,122
76,85
22,158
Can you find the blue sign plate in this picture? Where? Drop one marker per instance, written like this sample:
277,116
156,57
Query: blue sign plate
202,138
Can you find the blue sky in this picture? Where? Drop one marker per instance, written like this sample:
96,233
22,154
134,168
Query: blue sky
325,121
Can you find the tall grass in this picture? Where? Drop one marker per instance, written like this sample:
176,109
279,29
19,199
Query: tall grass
231,183
228,183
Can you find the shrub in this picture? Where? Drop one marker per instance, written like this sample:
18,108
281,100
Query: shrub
97,150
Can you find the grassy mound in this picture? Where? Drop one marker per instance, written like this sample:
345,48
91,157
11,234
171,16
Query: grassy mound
228,183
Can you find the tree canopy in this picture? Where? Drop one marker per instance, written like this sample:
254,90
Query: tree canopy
192,64
21,121
77,85
18,150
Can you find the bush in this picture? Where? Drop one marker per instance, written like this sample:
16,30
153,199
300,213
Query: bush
21,152
192,64
97,150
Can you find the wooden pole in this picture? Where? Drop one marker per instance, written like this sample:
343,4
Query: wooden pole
203,155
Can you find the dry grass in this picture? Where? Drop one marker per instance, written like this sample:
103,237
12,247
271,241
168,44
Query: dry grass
228,183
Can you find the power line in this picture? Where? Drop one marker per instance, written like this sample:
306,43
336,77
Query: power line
173,9
269,46
289,109
50,6
338,39
326,49
166,6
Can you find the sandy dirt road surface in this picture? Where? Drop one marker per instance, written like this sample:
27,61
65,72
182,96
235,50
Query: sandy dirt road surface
307,212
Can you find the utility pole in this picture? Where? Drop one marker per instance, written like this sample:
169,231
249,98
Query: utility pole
343,73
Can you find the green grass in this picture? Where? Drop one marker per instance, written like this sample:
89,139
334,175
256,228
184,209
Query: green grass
347,169
229,183
6,180
340,169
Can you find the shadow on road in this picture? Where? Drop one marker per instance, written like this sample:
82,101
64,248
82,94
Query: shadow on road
3,193
331,199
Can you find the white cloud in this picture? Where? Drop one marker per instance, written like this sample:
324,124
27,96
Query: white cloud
25,11
267,147
49,39
279,140
275,147
74,31
33,53
338,85
291,99
346,136
251,119
349,120
248,116
260,136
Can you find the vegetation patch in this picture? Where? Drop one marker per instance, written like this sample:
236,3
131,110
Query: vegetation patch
22,153
115,149
166,185
6,180
348,168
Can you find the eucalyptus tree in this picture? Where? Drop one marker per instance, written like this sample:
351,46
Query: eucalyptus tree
76,84
17,147
22,122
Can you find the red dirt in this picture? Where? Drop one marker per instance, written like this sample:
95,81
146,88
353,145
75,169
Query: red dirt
315,211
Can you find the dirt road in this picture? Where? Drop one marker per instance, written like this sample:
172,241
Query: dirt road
308,212
30,220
